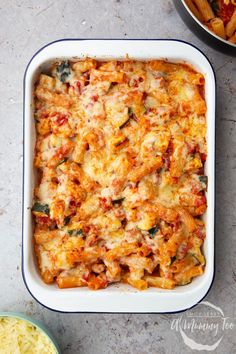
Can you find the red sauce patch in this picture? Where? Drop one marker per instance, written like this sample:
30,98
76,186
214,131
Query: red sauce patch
44,221
105,203
61,120
94,98
203,157
200,233
86,229
78,87
226,11
62,151
135,83
201,200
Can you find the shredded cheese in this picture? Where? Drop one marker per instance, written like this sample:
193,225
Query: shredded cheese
21,337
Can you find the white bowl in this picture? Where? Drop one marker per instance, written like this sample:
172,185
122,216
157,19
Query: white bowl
116,298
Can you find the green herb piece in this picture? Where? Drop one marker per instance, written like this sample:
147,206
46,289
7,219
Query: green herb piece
153,230
118,201
63,71
66,220
62,161
131,114
75,232
130,111
195,256
215,5
203,179
41,208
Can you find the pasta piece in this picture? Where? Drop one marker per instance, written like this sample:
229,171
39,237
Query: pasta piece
155,143
197,253
118,141
218,27
97,75
60,154
179,156
137,265
80,148
186,276
139,284
232,39
162,66
193,165
159,282
57,211
47,82
183,264
97,282
205,9
90,255
48,277
93,141
146,168
72,278
113,272
42,236
166,214
98,268
46,264
231,25
69,281
57,99
173,244
121,251
83,66
148,220
194,10
196,79
187,219
109,66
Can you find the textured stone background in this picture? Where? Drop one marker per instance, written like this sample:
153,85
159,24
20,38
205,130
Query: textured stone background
25,26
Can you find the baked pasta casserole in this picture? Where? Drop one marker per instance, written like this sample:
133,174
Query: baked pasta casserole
120,154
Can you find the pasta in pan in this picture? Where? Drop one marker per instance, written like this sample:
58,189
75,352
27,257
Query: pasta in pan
218,15
120,154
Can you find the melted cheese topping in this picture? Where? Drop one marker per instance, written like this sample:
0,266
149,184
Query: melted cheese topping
120,149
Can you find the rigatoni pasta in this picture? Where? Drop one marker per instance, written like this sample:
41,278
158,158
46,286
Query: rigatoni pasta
232,39
231,25
205,9
218,27
120,154
218,15
194,10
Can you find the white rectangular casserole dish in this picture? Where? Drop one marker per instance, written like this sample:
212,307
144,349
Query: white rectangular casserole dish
116,298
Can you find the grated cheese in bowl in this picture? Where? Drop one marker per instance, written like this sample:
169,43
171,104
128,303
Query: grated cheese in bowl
18,336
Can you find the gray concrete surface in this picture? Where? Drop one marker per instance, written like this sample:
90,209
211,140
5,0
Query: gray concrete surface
25,26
